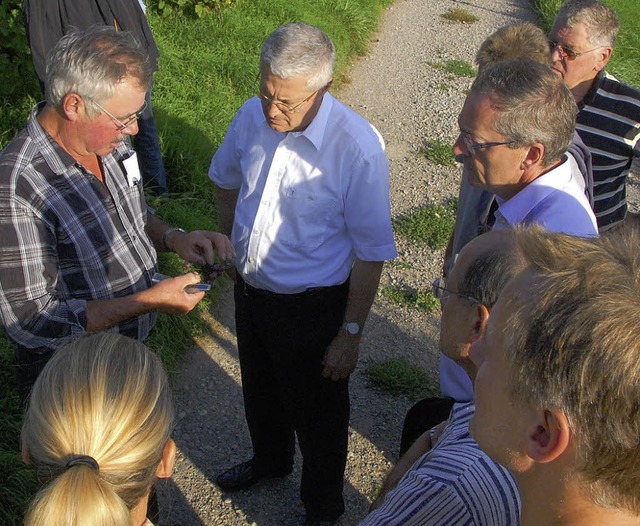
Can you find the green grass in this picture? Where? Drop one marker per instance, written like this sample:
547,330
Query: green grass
398,376
207,69
18,481
439,152
428,225
456,14
421,300
626,55
459,68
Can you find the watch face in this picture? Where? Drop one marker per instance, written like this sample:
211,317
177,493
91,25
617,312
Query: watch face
352,328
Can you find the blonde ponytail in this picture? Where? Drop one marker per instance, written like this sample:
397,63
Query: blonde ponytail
99,417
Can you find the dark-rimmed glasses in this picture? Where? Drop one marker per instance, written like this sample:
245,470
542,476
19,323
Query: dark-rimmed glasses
121,125
568,53
472,146
440,292
283,107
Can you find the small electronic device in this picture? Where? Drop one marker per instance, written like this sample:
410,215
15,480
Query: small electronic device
197,287
189,289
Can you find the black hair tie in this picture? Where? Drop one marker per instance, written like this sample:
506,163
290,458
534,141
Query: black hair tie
83,459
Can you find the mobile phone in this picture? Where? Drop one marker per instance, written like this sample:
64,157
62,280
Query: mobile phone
197,287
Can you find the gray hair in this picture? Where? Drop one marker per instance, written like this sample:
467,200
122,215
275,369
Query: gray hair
91,63
601,21
299,49
533,105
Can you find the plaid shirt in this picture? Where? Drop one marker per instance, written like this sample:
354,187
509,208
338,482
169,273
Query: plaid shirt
65,239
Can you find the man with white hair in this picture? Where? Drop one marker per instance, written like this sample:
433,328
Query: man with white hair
303,187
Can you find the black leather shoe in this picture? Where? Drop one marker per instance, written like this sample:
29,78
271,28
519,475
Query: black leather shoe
243,475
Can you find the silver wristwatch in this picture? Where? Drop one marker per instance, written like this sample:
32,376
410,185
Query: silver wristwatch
352,328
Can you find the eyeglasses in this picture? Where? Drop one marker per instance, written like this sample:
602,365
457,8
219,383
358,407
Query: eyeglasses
284,108
568,53
440,292
472,145
121,125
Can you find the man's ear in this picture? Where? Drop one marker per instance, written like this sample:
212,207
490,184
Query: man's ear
482,313
534,156
327,86
72,103
165,468
604,55
550,436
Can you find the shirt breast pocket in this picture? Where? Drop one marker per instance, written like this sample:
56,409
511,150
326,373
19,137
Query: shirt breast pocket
306,219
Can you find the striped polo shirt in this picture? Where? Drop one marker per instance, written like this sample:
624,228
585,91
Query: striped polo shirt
609,124
453,484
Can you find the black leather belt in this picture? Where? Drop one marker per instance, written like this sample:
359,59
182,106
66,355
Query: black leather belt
250,290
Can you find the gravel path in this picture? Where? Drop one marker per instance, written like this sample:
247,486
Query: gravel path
410,102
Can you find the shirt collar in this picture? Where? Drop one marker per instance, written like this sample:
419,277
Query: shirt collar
56,157
318,126
593,90
515,209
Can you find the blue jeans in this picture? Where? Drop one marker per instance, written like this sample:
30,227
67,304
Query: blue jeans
147,147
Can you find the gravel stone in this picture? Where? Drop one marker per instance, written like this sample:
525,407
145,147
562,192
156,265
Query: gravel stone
410,103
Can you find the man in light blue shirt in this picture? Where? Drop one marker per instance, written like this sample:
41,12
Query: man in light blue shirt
515,127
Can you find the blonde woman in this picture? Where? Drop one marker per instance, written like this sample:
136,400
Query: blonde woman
97,432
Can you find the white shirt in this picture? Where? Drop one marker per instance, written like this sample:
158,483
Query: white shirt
554,201
310,202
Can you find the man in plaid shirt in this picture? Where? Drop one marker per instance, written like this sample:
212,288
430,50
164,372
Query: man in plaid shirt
79,245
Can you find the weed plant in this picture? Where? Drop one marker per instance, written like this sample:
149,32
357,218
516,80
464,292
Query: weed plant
439,152
428,225
459,68
398,376
421,300
456,14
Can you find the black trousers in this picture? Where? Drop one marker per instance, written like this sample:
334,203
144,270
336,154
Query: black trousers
422,416
281,342
29,365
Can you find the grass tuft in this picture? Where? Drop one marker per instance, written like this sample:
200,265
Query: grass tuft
439,152
459,68
456,14
428,225
409,297
398,376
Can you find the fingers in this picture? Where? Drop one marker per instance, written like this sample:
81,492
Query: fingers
211,242
336,372
223,245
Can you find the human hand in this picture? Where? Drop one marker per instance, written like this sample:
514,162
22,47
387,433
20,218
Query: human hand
341,356
201,246
169,294
436,432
